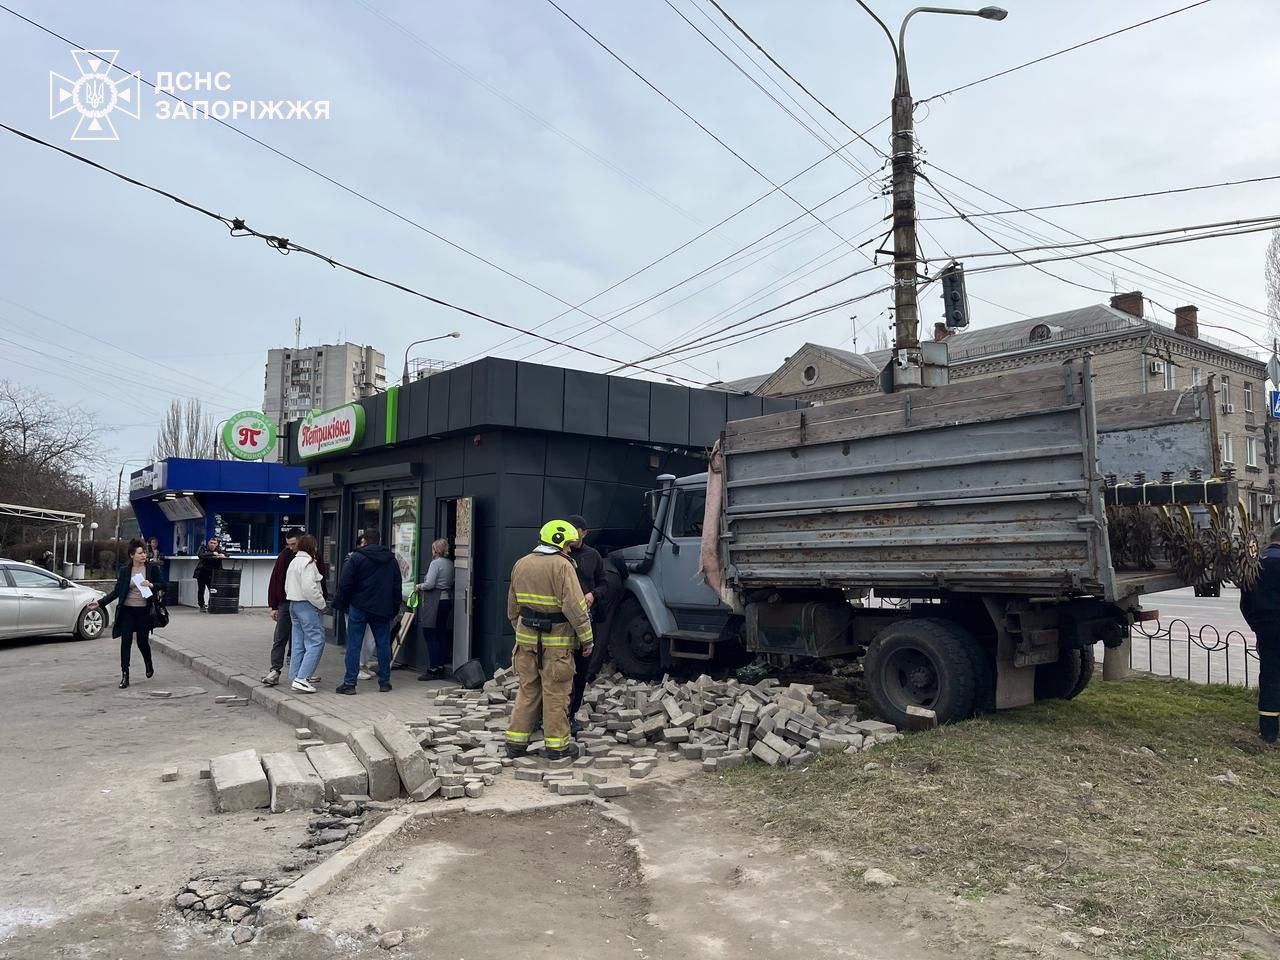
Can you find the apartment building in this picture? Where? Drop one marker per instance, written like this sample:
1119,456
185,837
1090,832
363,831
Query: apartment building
301,379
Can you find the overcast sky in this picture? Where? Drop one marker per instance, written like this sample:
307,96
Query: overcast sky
503,128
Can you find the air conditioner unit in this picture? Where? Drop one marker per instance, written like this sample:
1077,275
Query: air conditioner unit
1228,408
1157,366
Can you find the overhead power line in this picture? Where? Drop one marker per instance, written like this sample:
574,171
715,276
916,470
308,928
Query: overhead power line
337,183
1118,197
239,228
1064,50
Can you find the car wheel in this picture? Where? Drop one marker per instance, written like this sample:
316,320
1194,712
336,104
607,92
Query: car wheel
91,622
633,643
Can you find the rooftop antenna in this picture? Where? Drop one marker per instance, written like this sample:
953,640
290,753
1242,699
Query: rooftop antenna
297,333
853,333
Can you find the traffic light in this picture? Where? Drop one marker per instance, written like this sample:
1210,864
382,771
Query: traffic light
955,303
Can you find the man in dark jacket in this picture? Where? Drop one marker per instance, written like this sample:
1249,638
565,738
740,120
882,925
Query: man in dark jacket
209,559
369,592
595,590
1261,609
280,607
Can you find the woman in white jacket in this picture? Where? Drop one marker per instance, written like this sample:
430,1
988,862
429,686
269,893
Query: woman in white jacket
306,601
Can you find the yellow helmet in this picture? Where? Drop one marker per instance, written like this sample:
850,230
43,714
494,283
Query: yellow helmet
558,533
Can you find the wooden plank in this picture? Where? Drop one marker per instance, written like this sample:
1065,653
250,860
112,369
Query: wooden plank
1153,409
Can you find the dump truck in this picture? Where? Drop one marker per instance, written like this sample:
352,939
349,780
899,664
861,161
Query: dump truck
961,540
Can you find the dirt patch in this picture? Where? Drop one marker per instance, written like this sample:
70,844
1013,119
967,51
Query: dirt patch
558,885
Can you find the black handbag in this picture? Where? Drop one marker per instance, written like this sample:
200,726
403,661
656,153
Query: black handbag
158,614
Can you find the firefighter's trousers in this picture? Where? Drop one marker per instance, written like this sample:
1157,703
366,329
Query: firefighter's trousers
543,693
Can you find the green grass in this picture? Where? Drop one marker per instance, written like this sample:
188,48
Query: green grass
1106,806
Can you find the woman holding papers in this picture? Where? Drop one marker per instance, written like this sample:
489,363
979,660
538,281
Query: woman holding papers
137,587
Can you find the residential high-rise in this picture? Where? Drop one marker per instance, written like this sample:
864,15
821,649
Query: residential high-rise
301,379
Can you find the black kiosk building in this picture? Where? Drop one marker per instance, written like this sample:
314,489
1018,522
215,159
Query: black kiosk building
482,455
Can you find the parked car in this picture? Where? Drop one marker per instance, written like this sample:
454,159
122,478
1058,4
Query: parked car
34,602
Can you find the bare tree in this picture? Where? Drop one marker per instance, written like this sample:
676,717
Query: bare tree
187,431
881,339
46,452
1272,273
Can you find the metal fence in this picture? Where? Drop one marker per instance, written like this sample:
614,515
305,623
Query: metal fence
1199,654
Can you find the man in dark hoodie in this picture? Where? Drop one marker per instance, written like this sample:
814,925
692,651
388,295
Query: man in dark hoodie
1261,609
369,593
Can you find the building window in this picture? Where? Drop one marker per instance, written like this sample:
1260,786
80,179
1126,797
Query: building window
1226,390
1251,451
1169,382
1195,376
1248,397
1228,449
809,375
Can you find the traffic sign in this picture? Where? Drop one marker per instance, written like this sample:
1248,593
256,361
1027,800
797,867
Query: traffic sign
1275,403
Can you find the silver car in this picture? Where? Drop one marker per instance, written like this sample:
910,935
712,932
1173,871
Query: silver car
34,603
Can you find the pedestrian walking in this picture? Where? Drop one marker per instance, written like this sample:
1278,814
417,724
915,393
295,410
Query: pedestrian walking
595,590
1261,609
209,559
435,611
302,589
369,592
138,587
550,619
280,607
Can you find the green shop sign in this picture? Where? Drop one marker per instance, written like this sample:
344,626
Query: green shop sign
249,435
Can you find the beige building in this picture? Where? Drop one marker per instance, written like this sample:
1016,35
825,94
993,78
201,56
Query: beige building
1131,355
301,379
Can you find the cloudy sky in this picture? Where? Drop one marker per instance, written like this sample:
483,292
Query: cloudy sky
501,127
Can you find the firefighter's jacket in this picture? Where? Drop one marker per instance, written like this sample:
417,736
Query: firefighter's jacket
545,582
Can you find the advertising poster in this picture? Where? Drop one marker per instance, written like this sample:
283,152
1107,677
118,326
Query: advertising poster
404,540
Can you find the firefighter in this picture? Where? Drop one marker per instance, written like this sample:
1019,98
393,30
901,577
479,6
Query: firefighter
551,620
1261,609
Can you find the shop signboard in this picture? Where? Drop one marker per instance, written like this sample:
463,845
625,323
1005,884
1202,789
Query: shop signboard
249,435
330,431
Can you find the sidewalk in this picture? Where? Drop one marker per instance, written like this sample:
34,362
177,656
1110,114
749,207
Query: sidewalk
235,650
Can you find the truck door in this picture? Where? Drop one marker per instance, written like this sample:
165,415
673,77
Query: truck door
682,586
463,580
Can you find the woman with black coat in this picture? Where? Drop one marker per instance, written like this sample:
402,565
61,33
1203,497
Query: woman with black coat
133,612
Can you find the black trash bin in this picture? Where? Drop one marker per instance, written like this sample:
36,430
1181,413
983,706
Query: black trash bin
226,591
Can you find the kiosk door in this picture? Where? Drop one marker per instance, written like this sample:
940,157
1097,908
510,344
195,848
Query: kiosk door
464,581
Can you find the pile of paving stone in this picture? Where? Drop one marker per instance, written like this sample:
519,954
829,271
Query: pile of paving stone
722,723
455,748
228,900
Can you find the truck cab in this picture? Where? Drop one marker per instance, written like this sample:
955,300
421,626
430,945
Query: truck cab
667,611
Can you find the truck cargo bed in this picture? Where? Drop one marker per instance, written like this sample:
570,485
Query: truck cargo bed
987,485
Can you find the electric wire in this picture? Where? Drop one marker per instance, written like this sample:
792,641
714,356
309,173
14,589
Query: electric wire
239,228
1064,50
335,182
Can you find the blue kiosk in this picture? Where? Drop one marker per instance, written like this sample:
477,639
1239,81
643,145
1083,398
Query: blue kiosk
247,505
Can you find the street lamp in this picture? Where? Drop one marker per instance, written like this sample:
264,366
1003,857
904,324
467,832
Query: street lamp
119,485
906,360
404,375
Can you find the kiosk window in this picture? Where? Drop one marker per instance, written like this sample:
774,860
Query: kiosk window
247,532
689,508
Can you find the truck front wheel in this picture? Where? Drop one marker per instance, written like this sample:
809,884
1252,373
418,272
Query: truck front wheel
633,643
924,663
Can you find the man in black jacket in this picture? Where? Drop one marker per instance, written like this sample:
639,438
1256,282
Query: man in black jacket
1261,609
209,559
595,590
369,592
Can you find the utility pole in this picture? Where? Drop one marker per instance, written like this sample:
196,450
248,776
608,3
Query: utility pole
906,368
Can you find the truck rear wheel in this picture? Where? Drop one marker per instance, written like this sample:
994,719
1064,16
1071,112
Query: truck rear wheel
633,644
1066,677
924,663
